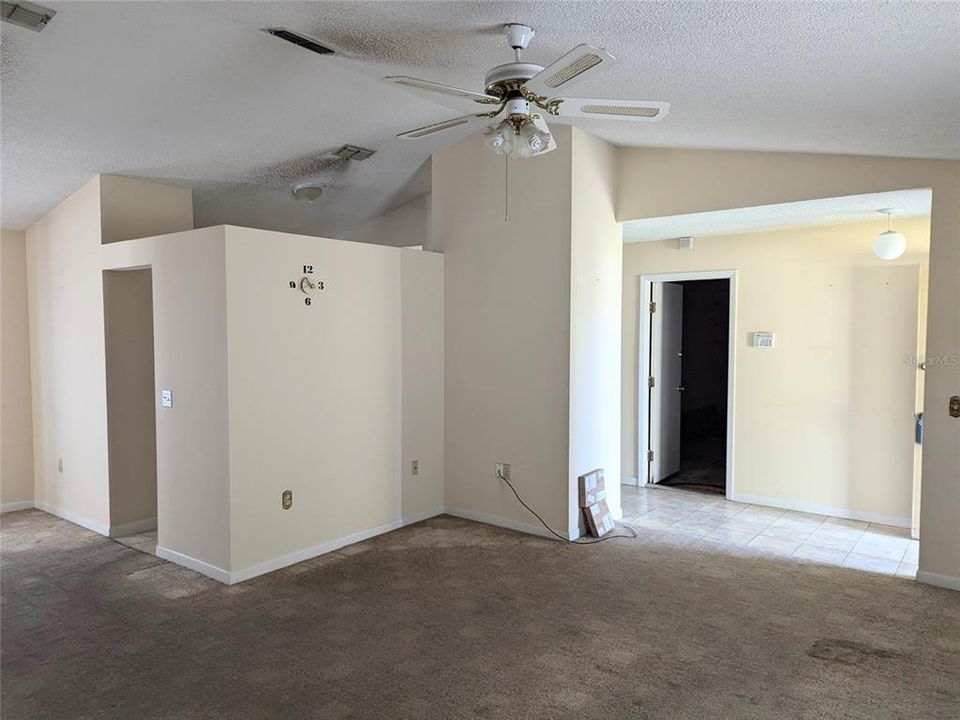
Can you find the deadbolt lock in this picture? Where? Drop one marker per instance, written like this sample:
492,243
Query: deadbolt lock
955,406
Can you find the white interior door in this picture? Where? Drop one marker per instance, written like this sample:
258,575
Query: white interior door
666,334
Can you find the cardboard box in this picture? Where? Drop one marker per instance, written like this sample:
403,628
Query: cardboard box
592,489
599,519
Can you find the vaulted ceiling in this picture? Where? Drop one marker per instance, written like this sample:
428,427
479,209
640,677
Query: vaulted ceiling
192,93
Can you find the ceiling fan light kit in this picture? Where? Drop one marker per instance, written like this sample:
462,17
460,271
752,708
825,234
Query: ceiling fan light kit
525,92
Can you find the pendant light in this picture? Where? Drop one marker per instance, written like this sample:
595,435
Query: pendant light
889,244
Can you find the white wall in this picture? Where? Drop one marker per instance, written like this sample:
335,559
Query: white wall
596,255
825,419
16,418
404,226
659,182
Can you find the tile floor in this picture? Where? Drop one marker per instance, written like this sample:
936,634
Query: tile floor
811,538
145,542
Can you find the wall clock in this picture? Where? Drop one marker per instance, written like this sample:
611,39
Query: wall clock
308,284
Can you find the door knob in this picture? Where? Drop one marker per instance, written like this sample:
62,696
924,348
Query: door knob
680,388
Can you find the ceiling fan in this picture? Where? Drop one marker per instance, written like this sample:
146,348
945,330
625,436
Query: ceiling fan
525,92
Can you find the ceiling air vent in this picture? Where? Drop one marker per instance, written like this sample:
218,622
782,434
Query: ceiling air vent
32,17
352,152
297,39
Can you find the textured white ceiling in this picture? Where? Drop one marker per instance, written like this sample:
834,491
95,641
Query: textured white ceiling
829,211
194,94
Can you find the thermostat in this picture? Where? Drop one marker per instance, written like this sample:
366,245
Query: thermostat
763,339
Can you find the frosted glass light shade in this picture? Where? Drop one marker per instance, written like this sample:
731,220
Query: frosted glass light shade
889,245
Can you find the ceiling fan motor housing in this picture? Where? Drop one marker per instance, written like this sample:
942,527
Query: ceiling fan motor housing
504,78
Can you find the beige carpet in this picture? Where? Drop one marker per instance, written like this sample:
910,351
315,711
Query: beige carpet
454,619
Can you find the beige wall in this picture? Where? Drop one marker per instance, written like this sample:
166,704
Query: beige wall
421,294
67,342
190,358
314,392
658,182
532,334
190,326
812,427
506,329
132,208
67,357
330,401
403,226
16,421
596,255
131,428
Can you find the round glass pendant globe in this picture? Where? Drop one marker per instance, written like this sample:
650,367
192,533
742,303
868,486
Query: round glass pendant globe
889,245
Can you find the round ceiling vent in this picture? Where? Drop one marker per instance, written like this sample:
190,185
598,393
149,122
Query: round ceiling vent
309,191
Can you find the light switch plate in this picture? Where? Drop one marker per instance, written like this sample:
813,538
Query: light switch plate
166,398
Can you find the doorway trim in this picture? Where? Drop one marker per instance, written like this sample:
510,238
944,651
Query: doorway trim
644,369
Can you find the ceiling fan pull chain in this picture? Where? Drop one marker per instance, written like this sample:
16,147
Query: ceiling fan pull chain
506,188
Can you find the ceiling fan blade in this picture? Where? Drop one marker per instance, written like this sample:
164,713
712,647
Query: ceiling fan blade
634,110
438,127
430,86
574,64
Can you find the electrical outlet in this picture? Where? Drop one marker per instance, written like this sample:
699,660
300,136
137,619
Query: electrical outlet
415,467
60,465
503,471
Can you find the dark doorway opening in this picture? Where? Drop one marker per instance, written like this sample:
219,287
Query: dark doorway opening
703,399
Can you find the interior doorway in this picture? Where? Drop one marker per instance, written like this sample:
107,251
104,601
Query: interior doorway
131,410
686,354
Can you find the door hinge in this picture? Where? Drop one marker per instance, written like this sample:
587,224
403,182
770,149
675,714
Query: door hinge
653,307
651,382
649,455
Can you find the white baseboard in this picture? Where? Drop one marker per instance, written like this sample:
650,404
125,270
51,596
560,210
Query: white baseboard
944,581
499,521
846,513
268,566
74,518
16,505
131,528
421,516
191,563
629,480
